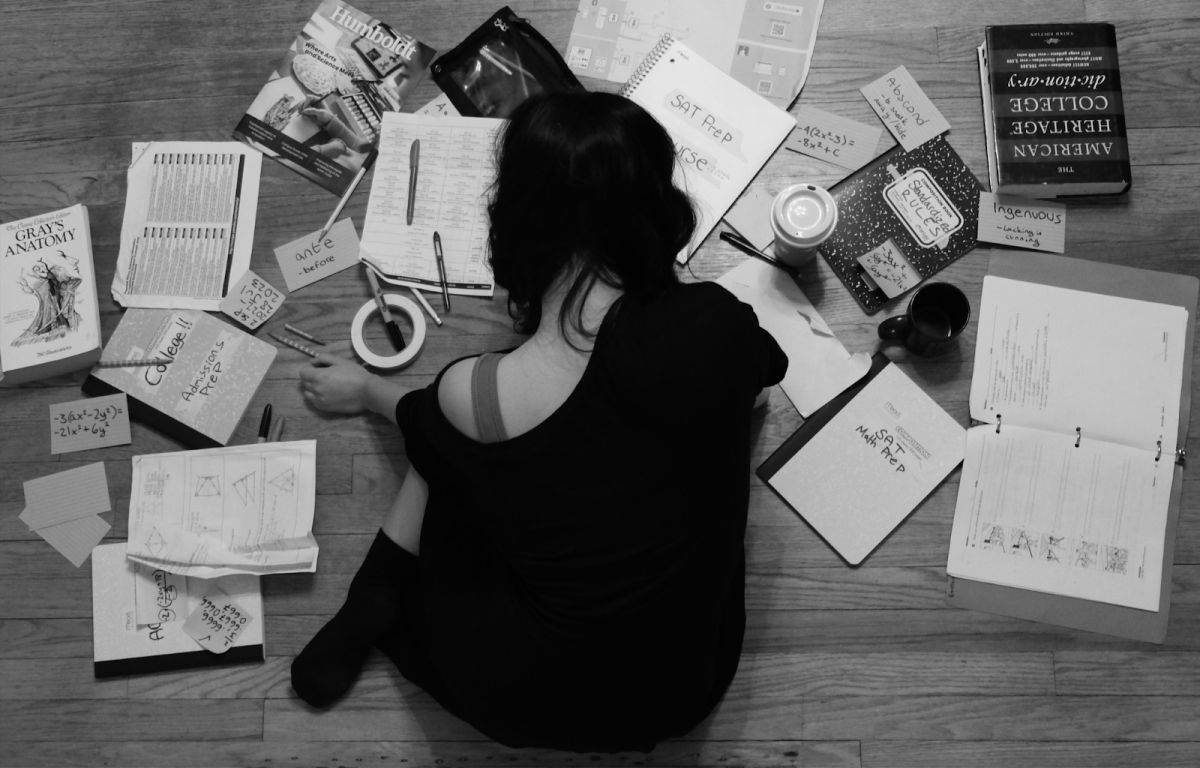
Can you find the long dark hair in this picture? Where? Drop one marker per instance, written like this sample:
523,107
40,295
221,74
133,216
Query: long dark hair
584,192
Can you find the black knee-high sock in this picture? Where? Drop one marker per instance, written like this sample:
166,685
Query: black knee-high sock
332,660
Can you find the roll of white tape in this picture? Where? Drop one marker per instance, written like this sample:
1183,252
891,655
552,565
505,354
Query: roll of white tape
405,356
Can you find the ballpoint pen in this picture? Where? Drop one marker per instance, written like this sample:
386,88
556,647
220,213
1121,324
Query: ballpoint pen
414,160
264,426
392,329
441,265
346,197
737,241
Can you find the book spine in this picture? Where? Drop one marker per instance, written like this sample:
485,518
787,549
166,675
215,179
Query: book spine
1057,110
647,64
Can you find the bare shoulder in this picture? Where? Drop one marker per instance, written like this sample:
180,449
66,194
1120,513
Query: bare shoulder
454,397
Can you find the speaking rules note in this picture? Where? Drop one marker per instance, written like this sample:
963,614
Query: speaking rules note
309,259
1040,225
217,622
887,268
831,137
96,422
252,301
905,109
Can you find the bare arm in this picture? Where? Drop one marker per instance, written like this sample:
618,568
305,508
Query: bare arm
338,385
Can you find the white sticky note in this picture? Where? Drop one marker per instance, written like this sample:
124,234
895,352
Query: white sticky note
307,260
888,268
905,109
1021,222
252,300
751,217
66,496
217,621
96,422
831,137
75,539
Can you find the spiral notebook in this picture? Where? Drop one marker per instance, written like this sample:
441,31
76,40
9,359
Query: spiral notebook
723,132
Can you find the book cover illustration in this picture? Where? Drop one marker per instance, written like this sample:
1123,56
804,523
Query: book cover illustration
922,206
215,371
319,113
1053,110
48,303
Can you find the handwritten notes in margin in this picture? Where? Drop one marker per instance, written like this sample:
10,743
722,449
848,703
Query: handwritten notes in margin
96,422
307,260
252,301
217,621
905,109
888,269
831,137
1025,223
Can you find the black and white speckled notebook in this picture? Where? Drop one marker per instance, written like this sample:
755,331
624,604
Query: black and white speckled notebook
926,202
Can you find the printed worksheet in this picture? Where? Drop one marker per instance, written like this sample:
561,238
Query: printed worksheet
210,513
452,171
189,220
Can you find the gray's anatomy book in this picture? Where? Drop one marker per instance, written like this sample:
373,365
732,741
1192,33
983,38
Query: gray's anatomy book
125,644
200,396
49,311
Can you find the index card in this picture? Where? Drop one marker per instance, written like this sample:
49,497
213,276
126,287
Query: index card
307,260
888,269
1009,220
252,301
905,109
66,496
831,137
217,621
96,422
75,539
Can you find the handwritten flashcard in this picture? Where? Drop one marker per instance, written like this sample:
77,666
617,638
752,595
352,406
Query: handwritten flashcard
888,269
252,300
96,422
75,539
831,137
1022,222
905,109
751,217
217,621
307,260
66,496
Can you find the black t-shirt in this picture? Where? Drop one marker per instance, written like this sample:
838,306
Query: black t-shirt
581,584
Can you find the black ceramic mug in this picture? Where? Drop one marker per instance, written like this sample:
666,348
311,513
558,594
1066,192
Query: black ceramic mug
937,314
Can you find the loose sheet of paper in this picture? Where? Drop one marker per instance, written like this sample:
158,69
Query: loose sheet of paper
215,512
888,269
66,496
308,259
870,466
96,422
440,106
831,137
905,109
1022,222
217,621
189,220
454,170
1036,512
751,217
75,539
1056,359
819,367
252,301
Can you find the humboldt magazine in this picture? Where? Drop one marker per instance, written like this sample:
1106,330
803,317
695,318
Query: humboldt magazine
320,112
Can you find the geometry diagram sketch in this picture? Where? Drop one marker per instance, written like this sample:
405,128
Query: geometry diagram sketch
208,513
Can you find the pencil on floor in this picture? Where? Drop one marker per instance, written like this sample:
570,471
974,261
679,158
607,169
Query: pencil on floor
293,344
303,335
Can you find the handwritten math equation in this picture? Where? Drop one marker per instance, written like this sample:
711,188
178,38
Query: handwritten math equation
94,421
252,301
217,622
80,425
834,138
889,447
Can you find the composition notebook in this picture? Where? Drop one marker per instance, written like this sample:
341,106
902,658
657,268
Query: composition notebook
863,462
723,132
1096,551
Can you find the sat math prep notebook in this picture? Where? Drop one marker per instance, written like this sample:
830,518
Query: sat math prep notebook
723,132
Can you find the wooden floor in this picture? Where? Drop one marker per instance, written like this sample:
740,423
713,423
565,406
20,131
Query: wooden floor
842,666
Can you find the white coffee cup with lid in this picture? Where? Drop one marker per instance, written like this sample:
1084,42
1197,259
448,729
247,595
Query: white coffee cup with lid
802,217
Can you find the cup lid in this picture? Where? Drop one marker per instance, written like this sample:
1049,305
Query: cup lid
803,214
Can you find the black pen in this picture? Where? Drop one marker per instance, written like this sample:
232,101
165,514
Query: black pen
414,160
744,245
441,264
264,426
